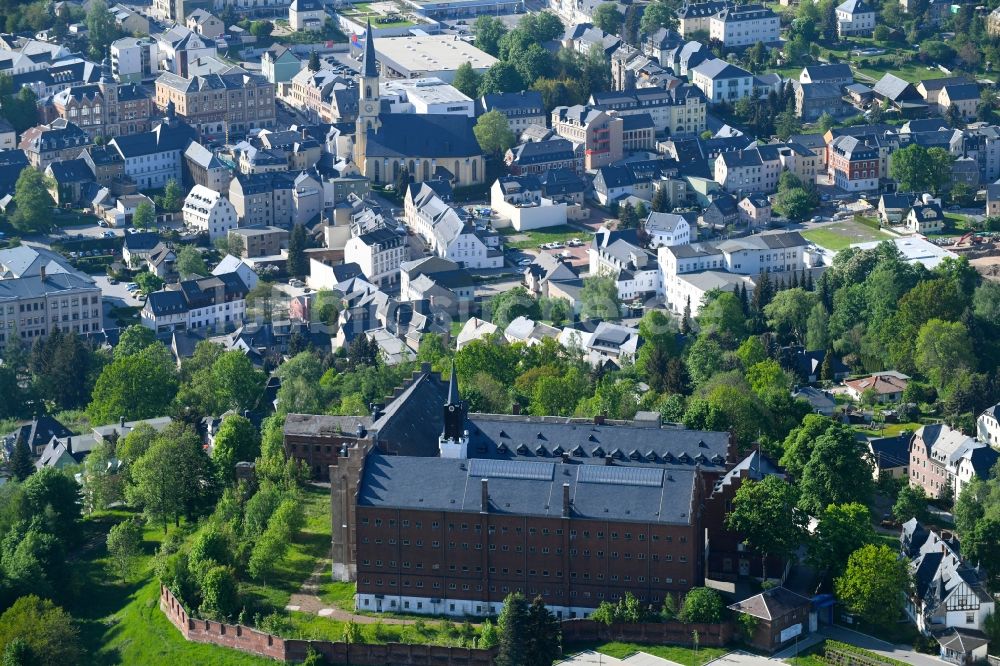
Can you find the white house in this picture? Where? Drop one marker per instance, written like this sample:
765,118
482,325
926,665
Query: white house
744,25
948,593
378,252
445,232
988,426
619,254
208,211
520,200
217,302
306,14
134,59
153,158
668,229
722,82
855,17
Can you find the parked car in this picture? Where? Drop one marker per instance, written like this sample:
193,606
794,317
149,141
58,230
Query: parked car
524,262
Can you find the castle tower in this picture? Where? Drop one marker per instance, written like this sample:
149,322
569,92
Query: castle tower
454,441
368,100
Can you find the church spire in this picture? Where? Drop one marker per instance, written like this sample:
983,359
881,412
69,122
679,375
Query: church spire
370,66
454,440
453,398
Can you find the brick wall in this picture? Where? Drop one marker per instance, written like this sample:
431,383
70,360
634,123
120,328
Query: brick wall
246,639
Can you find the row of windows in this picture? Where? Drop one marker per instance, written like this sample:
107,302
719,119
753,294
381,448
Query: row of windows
378,582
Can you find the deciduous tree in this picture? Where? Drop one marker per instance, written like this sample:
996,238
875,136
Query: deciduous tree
32,202
874,585
765,513
842,529
48,630
493,133
124,544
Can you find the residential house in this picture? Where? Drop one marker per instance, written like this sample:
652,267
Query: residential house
620,254
893,208
667,229
678,111
539,156
988,426
446,233
474,329
59,140
379,253
891,456
263,199
129,21
154,158
41,430
599,133
567,187
522,109
782,617
69,179
808,365
838,74
219,104
855,18
203,167
138,246
259,241
279,64
964,97
949,595
812,100
205,24
231,264
887,386
695,16
161,262
925,216
944,460
134,59
900,94
820,401
217,302
721,81
721,212
546,269
607,345
447,287
853,164
738,26
519,199
755,210
209,212
306,15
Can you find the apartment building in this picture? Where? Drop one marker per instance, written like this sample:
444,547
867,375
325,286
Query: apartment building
696,16
855,17
522,109
679,111
58,141
208,211
722,82
853,164
619,254
259,241
944,460
744,25
134,59
154,158
215,303
219,104
264,199
758,169
599,132
446,233
378,252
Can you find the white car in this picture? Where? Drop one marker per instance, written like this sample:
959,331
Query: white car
524,262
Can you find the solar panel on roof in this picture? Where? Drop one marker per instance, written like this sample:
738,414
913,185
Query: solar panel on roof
620,476
511,469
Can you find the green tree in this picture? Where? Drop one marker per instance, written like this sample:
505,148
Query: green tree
101,482
513,629
795,204
238,383
489,31
839,471
911,503
124,544
599,298
702,605
297,264
144,216
133,340
493,133
787,124
874,585
261,29
101,29
842,529
220,597
173,197
49,631
237,440
661,200
788,313
191,262
468,80
818,328
139,386
55,495
20,108
314,63
982,546
543,634
919,169
21,465
488,635
722,315
507,306
32,202
765,514
608,18
148,282
658,14
943,348
826,122
502,76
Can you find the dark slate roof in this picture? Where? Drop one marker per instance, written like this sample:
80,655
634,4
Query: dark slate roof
163,138
614,492
411,423
891,451
71,171
405,135
637,121
166,302
524,100
962,91
143,240
40,431
772,604
535,152
983,460
369,64
562,181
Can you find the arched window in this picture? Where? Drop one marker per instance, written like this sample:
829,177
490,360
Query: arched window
368,92
412,169
375,172
395,169
427,170
475,171
457,172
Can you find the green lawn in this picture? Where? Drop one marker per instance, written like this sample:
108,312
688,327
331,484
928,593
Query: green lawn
311,546
122,623
812,656
313,627
338,593
841,235
363,10
680,654
530,240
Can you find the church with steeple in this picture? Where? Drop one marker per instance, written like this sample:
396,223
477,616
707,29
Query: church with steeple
429,146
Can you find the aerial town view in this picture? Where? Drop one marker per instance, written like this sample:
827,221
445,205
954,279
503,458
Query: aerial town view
500,332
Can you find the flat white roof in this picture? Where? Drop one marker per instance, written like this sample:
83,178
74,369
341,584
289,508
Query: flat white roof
915,249
430,53
429,90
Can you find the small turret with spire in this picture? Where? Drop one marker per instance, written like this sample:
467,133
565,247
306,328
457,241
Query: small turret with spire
454,440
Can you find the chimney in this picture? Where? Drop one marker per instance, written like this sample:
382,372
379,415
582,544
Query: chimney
121,422
69,444
565,513
608,460
516,409
565,457
484,506
41,272
599,419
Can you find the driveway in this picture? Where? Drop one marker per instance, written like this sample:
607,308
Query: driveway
901,652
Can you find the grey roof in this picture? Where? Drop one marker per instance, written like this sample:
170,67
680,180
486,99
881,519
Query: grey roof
716,69
626,493
164,137
28,261
891,87
539,152
529,100
854,7
772,604
369,63
143,240
818,73
891,451
962,91
406,135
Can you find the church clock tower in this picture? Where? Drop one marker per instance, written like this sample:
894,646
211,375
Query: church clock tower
368,101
